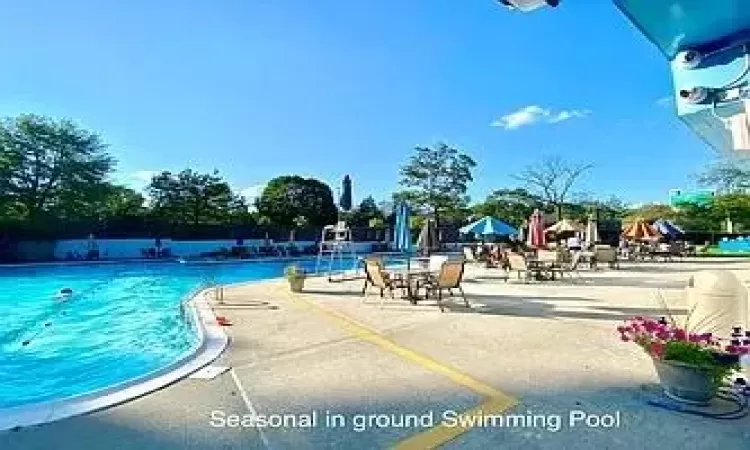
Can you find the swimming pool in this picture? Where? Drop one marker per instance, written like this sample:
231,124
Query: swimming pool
124,321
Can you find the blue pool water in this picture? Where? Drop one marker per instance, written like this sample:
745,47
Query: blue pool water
123,322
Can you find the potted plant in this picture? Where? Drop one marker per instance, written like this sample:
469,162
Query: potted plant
296,277
691,366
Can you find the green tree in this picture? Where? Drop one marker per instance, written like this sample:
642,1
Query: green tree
437,179
364,213
192,198
511,205
50,168
732,206
552,179
652,212
726,176
288,197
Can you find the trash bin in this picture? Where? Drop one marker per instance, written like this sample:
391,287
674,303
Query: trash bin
717,302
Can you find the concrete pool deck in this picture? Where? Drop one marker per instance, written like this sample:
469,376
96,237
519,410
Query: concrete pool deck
539,351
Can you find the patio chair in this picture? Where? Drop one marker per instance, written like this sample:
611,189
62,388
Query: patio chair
435,262
569,268
376,276
519,265
449,278
470,256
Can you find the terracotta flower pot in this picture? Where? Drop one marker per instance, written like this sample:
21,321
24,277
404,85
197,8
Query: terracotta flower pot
685,383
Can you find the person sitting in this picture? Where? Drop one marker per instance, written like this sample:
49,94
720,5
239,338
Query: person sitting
574,244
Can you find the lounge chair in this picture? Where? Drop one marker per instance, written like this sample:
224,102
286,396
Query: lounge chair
435,262
376,276
523,271
449,278
569,268
470,256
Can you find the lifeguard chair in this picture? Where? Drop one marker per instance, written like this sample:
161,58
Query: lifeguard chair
336,247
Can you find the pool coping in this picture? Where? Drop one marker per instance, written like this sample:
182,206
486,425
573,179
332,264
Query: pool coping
213,343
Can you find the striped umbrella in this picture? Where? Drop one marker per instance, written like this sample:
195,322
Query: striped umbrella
537,238
640,230
668,229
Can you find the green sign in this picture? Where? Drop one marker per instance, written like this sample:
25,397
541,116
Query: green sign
700,198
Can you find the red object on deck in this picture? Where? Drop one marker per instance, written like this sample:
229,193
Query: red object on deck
223,321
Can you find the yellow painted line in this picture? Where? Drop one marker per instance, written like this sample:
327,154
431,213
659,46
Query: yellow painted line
496,402
442,434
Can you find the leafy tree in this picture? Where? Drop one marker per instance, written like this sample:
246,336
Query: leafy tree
512,205
364,213
288,197
552,179
583,205
726,176
437,179
733,206
191,198
50,168
652,212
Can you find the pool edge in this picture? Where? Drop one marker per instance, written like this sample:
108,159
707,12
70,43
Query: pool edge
214,342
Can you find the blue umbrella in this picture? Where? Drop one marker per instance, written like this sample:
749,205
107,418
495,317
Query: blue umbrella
668,229
489,226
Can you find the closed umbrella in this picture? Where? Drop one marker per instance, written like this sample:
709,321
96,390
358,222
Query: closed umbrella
537,238
592,231
428,239
489,226
401,232
523,231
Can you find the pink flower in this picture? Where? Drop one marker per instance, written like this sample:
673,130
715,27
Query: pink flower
663,335
731,348
625,338
680,334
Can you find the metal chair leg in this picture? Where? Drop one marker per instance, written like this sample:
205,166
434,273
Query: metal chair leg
466,301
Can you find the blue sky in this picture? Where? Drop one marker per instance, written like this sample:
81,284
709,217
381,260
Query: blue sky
260,88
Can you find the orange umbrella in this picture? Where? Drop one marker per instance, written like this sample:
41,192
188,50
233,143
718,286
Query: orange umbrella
640,229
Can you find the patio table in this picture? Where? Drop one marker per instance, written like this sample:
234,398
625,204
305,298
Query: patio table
411,277
542,269
588,257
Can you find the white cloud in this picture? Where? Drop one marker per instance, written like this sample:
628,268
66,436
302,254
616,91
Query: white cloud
564,115
143,176
665,101
137,180
252,192
532,114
